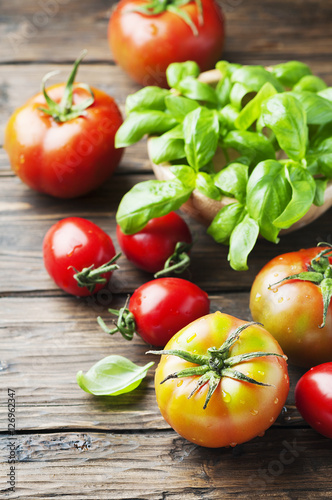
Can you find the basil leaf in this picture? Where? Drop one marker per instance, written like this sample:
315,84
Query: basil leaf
140,123
194,89
252,145
177,71
147,98
167,147
254,77
179,106
310,83
320,192
150,199
268,194
319,158
227,68
225,221
201,133
252,110
242,241
318,109
287,118
223,90
238,92
112,376
205,184
303,193
326,93
232,180
228,115
290,73
185,174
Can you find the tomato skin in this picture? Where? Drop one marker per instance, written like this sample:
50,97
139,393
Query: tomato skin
313,398
165,305
155,243
237,411
293,311
76,242
145,45
64,159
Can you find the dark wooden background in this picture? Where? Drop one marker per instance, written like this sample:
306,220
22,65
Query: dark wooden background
70,444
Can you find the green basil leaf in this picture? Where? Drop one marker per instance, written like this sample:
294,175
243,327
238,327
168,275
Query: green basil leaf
185,174
252,145
238,92
223,90
319,157
225,221
232,180
290,73
310,83
254,77
228,115
150,199
168,146
252,110
205,184
227,68
303,194
287,118
180,106
201,134
147,98
112,376
242,241
177,71
320,192
318,109
140,123
268,194
326,93
194,89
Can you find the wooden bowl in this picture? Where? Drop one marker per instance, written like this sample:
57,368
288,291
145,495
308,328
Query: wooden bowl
204,209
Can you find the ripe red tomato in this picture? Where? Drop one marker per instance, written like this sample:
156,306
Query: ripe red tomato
71,151
202,385
293,310
76,246
159,309
150,248
144,44
313,398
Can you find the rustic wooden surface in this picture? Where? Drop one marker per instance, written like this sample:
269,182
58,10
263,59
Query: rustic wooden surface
75,446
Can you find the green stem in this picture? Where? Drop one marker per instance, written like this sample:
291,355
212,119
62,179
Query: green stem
178,262
126,324
90,276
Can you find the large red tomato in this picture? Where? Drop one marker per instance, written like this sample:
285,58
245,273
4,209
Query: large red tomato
145,43
70,151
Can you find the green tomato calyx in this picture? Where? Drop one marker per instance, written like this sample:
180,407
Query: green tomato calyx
178,262
217,363
66,110
90,276
125,324
320,273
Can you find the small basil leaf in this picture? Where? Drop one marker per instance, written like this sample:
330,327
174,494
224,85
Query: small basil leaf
228,115
238,92
223,90
254,77
287,118
310,83
205,184
177,71
326,93
232,180
252,145
140,123
180,106
227,68
318,109
320,192
225,221
147,98
303,193
242,241
201,133
167,147
150,199
252,110
290,73
185,174
194,89
112,376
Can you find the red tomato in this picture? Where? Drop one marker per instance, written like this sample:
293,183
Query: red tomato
76,245
159,309
68,158
144,45
202,384
293,310
150,248
313,398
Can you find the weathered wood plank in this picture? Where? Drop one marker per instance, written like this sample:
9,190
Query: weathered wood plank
165,466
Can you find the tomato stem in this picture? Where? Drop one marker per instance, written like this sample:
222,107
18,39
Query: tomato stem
126,324
90,276
178,262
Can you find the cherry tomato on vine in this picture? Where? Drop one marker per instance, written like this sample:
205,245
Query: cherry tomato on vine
313,398
291,297
146,36
221,381
163,239
79,256
159,309
61,142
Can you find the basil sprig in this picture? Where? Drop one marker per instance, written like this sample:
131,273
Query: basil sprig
277,124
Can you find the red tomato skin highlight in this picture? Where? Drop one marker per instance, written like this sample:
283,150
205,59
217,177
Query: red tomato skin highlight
64,159
76,242
313,398
155,243
144,45
165,305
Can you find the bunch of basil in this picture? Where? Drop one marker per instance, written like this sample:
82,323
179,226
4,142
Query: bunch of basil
262,114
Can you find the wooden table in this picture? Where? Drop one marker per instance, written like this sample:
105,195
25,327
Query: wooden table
67,443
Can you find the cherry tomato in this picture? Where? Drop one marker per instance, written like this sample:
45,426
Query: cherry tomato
70,151
159,309
150,248
145,43
79,256
221,381
294,306
313,398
